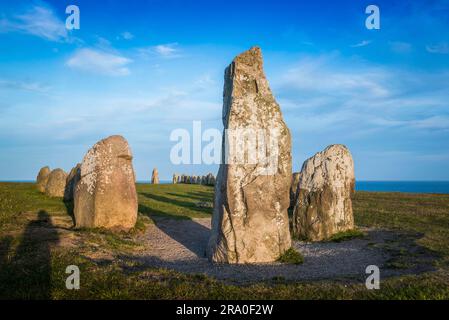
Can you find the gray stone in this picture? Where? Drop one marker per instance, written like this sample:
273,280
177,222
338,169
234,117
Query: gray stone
71,181
326,185
56,183
250,220
42,178
294,188
105,195
155,176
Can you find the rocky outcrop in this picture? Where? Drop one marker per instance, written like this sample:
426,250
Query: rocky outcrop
56,183
250,220
105,195
155,176
71,181
42,178
324,205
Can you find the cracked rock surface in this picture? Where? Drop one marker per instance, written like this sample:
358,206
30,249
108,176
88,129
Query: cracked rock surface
250,220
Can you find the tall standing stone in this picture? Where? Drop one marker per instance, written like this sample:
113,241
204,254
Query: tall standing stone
155,176
324,205
105,195
71,181
42,178
56,183
250,220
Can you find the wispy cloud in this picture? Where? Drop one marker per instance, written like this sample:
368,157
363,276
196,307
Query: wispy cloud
441,48
169,50
101,62
126,35
38,21
322,93
361,44
24,85
166,50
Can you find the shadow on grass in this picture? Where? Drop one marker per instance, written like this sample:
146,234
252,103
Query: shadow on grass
179,203
27,274
194,195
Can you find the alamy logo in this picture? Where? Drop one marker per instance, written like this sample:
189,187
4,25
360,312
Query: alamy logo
373,280
373,20
73,280
242,146
73,20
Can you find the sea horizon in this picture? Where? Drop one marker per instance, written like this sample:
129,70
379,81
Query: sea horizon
404,186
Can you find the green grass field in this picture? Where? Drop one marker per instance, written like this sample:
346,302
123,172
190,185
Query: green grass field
31,267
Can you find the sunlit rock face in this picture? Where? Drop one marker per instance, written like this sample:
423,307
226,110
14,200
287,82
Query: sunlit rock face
105,195
55,186
326,185
250,221
155,176
42,178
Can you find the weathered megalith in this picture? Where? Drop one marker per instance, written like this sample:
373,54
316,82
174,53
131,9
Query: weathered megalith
294,188
42,178
71,182
324,205
250,221
175,178
155,176
105,195
56,183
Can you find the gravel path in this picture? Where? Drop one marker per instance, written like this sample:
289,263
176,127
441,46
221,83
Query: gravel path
180,245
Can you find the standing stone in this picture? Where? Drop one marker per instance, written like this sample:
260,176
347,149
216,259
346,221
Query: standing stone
250,220
56,183
324,205
175,178
294,189
42,178
155,176
210,179
71,181
105,195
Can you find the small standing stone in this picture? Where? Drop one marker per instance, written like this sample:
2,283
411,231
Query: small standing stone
326,185
56,183
42,178
155,176
105,195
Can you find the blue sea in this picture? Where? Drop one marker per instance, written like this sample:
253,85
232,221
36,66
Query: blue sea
404,186
378,186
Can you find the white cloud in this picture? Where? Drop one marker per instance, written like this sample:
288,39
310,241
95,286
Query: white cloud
39,21
166,50
169,50
126,35
361,44
101,62
441,48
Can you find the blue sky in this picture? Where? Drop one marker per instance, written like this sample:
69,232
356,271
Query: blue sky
144,68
